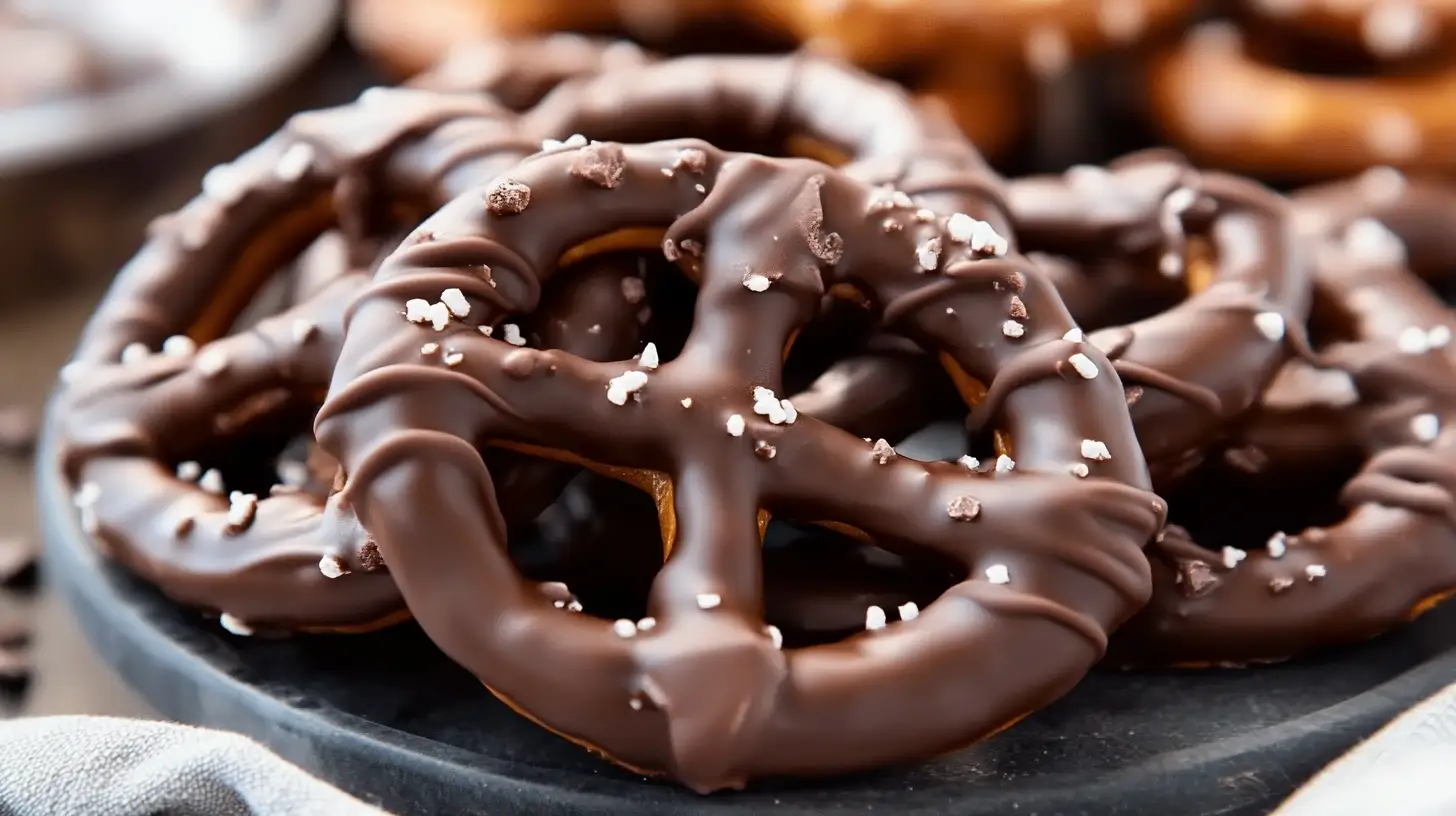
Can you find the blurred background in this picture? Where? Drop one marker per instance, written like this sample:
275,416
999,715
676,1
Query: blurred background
112,110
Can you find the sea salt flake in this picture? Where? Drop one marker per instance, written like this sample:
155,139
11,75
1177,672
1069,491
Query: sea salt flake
1270,324
1083,366
874,619
1425,427
1232,556
456,302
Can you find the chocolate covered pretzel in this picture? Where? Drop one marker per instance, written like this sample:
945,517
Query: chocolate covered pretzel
700,690
1393,554
1196,366
1407,220
160,383
809,106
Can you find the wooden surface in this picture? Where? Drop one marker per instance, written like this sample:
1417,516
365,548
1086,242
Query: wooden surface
35,339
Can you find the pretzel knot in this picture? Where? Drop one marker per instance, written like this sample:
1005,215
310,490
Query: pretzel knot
700,689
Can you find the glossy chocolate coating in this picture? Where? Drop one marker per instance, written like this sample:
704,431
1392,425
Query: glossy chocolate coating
765,104
519,71
1390,558
784,105
1205,361
716,702
1419,212
128,424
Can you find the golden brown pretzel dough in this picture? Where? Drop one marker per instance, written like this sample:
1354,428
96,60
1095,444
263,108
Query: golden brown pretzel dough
1217,103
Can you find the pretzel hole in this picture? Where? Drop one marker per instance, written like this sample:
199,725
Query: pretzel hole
648,242
259,260
1274,482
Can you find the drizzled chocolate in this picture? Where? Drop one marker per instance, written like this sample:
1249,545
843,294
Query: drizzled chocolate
1192,368
1392,557
820,108
702,692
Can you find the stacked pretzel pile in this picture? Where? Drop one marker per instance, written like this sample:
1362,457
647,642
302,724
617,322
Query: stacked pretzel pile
577,336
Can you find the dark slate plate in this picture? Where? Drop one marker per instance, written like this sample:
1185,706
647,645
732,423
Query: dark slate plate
388,718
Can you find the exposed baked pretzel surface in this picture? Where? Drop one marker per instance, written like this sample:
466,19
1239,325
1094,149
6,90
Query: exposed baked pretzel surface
1213,96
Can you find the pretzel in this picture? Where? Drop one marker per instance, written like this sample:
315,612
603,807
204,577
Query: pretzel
1214,99
135,422
1192,368
518,72
1393,557
1386,31
891,32
410,38
813,107
518,61
1411,220
766,238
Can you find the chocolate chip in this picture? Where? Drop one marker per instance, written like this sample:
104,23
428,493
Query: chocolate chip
764,450
964,508
18,431
1195,578
600,164
507,197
